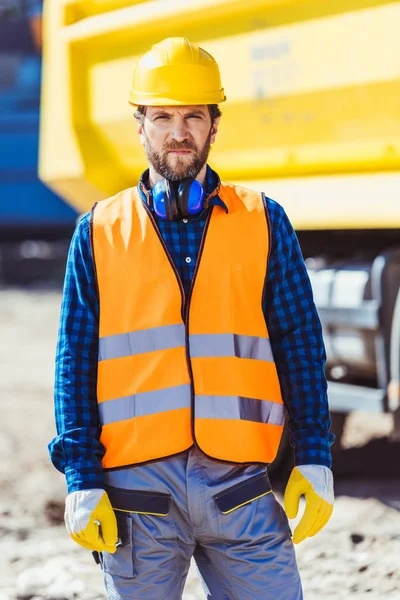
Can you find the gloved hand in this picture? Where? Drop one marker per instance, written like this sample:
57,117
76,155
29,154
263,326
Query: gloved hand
315,483
90,520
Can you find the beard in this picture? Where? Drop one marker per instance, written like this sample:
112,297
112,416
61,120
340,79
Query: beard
182,168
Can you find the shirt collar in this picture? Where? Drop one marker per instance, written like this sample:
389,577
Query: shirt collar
212,187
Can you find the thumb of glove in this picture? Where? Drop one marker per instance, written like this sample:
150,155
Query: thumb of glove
105,516
294,490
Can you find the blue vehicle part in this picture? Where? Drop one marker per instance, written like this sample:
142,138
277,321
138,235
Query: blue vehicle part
27,207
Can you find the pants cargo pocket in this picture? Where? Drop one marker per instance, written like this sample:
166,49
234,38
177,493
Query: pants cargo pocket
246,507
121,562
152,550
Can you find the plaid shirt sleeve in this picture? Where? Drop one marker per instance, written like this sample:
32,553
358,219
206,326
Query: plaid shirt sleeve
77,451
296,340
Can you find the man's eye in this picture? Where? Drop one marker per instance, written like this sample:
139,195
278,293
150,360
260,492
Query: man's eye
161,117
194,117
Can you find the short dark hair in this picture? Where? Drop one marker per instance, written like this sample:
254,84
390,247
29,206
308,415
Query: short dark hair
214,111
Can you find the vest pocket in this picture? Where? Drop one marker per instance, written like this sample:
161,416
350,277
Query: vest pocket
121,563
243,493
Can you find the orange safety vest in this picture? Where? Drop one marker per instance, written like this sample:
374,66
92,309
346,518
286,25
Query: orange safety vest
173,373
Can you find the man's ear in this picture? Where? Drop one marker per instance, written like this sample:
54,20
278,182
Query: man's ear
214,129
140,130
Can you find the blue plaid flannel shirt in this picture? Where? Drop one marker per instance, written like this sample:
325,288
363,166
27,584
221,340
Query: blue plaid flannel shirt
293,325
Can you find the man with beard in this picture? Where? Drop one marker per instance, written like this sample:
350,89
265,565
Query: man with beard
187,329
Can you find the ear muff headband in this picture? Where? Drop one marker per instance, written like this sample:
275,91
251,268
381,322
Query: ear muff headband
171,202
184,195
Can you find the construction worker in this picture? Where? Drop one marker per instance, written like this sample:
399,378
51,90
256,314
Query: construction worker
187,329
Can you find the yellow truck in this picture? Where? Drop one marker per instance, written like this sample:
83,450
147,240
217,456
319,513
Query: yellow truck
312,119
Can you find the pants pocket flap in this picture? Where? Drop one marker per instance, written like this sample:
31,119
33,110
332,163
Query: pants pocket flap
121,563
147,503
243,493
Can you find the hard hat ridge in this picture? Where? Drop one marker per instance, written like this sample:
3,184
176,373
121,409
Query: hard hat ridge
178,49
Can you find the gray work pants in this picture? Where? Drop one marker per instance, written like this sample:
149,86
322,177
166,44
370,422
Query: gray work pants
223,515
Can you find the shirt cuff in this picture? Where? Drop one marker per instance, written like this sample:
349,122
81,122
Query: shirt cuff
83,477
313,449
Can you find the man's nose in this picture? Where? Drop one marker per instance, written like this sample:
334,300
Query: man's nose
179,131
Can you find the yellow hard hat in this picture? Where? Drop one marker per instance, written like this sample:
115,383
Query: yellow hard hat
176,72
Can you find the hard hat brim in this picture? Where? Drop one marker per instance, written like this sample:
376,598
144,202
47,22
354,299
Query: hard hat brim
142,99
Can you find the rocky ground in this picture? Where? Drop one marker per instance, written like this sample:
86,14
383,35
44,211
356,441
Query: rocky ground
357,555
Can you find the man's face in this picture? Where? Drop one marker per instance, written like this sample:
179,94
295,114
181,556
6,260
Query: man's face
177,139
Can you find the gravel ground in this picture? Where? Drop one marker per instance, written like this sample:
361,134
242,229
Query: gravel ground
356,555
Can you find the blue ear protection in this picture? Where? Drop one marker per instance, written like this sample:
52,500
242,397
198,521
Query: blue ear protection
176,200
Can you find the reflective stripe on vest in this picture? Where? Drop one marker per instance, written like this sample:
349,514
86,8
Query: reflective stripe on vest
138,342
172,336
207,407
169,378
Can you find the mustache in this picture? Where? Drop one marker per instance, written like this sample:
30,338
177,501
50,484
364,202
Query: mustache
183,146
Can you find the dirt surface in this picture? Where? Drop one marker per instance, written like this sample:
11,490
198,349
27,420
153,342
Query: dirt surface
356,555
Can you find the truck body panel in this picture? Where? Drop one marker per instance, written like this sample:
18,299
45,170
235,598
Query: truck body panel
288,115
28,208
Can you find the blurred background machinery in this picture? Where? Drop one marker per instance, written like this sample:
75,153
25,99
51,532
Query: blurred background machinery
312,119
33,219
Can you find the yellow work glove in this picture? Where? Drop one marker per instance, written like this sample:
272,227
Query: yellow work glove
90,520
315,483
